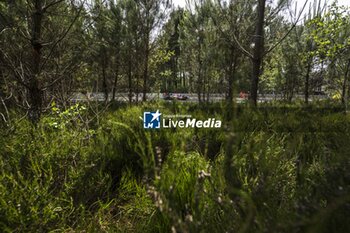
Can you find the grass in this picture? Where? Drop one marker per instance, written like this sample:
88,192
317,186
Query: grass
278,168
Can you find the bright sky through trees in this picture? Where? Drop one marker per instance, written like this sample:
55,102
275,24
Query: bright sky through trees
300,4
182,3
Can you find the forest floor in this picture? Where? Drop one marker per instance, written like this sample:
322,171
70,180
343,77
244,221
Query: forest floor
280,167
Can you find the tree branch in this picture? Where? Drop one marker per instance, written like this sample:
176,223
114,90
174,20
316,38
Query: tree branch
63,36
240,46
288,32
50,5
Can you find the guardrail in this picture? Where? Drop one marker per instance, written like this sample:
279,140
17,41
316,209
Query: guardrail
192,97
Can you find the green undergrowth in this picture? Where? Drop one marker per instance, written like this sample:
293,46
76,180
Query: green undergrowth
277,168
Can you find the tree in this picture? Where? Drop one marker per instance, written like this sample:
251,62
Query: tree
151,15
224,14
34,36
258,50
331,36
198,39
131,49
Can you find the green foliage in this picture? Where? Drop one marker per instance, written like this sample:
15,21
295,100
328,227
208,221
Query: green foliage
64,118
282,168
330,33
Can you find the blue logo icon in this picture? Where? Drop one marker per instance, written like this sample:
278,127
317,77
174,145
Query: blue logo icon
151,120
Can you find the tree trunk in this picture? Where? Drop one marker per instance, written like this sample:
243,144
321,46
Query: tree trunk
145,71
115,82
104,78
175,74
230,80
231,75
2,76
145,76
199,86
137,88
199,81
307,81
344,97
208,89
257,52
34,91
130,80
183,80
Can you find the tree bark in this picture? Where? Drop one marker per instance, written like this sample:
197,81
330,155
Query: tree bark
2,76
146,61
130,80
307,81
145,72
34,90
115,82
231,75
344,97
208,88
104,76
199,85
137,88
199,81
257,52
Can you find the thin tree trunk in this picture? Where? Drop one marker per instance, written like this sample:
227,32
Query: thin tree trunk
137,88
183,80
230,79
130,80
145,78
208,89
34,91
115,82
231,75
199,85
199,81
344,98
290,94
145,73
2,76
175,74
104,80
307,81
257,52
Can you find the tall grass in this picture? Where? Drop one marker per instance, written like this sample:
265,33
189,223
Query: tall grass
273,169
